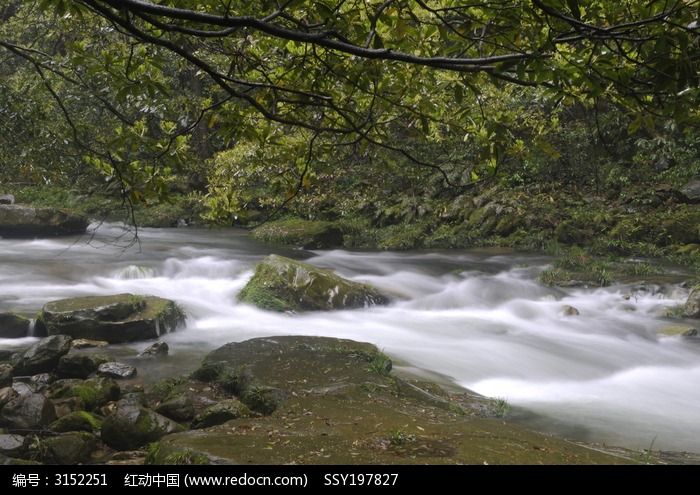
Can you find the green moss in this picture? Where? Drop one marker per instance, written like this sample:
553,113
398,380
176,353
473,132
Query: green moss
156,454
263,298
77,421
283,284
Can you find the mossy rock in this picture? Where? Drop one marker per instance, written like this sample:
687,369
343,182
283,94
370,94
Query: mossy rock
131,426
222,412
342,406
77,421
93,392
166,455
68,449
117,318
13,326
283,284
308,234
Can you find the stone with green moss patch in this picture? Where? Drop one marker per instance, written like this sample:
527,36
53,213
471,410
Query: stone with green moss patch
692,305
77,421
131,426
93,392
283,284
117,318
308,234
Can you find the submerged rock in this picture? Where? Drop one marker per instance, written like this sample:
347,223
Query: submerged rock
118,318
26,221
157,349
283,284
118,371
13,326
43,356
569,311
131,426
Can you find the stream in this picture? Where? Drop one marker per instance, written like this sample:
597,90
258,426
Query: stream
478,318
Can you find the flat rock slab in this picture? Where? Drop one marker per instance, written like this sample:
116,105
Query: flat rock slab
116,370
343,406
114,319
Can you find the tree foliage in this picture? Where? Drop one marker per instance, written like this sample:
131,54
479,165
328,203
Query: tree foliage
145,88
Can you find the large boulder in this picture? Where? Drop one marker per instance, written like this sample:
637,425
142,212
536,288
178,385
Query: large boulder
283,284
13,326
42,357
26,221
692,305
691,191
117,318
13,445
27,411
131,426
6,372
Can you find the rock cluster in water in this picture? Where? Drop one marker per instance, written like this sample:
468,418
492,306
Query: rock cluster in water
28,221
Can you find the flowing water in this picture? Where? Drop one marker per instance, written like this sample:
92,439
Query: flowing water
479,318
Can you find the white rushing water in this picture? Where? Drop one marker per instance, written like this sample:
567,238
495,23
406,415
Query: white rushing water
479,318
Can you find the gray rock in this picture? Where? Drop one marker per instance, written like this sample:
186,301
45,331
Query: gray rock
29,411
131,426
43,356
88,344
283,284
7,199
69,448
180,408
157,349
222,412
691,191
6,395
114,319
692,332
26,221
5,375
13,326
118,371
13,445
692,305
79,365
41,381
